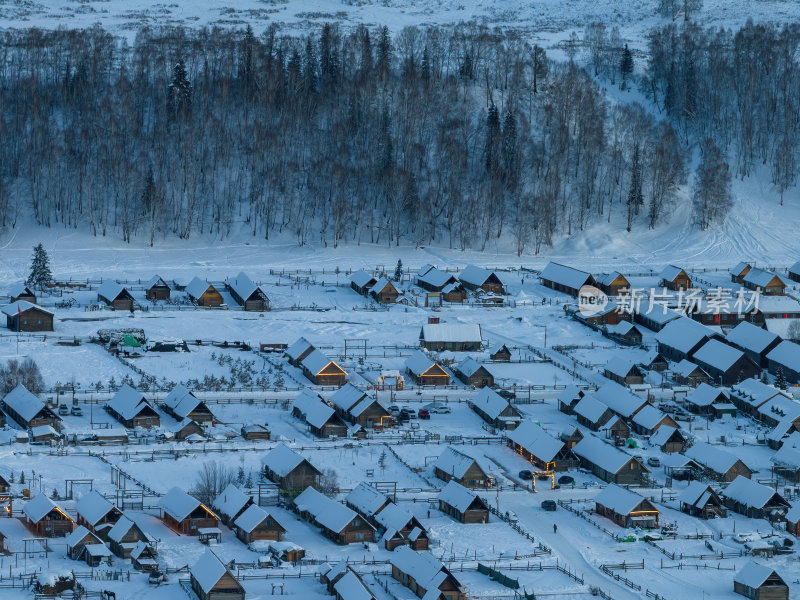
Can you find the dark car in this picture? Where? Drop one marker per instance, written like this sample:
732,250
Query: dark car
424,413
402,417
525,475
506,394
565,480
549,505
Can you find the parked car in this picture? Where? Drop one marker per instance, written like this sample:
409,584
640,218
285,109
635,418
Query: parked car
394,409
76,411
63,410
442,409
424,414
409,412
566,480
402,417
525,475
549,505
654,461
639,457
508,395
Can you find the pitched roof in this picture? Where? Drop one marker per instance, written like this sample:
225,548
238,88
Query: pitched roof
469,366
590,408
418,363
282,460
670,272
748,492
454,462
569,393
231,500
38,507
605,456
619,399
122,527
457,496
80,532
347,396
93,507
181,401
350,587
451,332
750,337
755,393
619,366
329,513
379,285
686,367
316,361
434,277
110,289
711,457
619,499
536,441
657,312
156,280
648,417
760,277
208,571
197,287
13,309
662,435
427,571
19,289
489,402
740,266
788,455
608,278
252,518
315,410
297,348
695,494
22,402
705,395
362,279
717,354
475,275
753,574
683,334
564,275
178,504
128,403
622,328
245,287
786,354
394,518
366,499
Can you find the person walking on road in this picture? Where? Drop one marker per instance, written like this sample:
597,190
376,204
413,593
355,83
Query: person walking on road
555,528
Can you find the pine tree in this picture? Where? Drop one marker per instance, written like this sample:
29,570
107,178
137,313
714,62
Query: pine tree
22,476
398,270
40,268
249,483
179,94
492,139
310,68
510,149
780,379
426,65
240,476
626,65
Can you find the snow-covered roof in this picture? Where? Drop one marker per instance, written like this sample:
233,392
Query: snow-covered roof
670,272
622,328
379,285
451,332
754,392
787,354
648,417
740,266
469,366
686,368
705,395
457,496
489,402
110,289
590,408
13,309
362,279
474,275
608,278
418,363
296,349
683,334
711,457
314,409
717,354
197,287
748,492
394,518
657,312
350,587
536,441
788,455
282,460
93,507
208,571
569,393
619,366
316,361
38,507
128,403
793,514
454,462
244,286
347,396
605,456
695,494
366,499
750,337
329,513
619,399
564,275
759,277
434,277
230,501
43,430
77,535
139,549
253,517
122,527
618,499
753,574
178,504
181,401
662,434
427,571
22,402
780,407
364,405
19,289
156,280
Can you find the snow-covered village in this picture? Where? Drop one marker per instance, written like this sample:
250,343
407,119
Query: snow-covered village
399,299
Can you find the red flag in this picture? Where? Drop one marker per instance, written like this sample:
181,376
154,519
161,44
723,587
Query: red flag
19,310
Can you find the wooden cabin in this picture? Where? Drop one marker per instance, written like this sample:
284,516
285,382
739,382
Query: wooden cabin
457,337
401,528
424,575
703,397
626,508
132,409
609,463
610,315
625,333
793,520
21,291
494,409
297,351
203,293
623,371
649,419
767,282
756,342
739,271
785,357
248,295
654,316
471,372
257,524
462,504
320,417
424,371
362,282
186,514
359,408
700,500
79,543
157,289
321,370
453,465
565,279
688,373
45,518
28,411
143,557
124,536
231,503
115,295
669,439
254,431
725,364
290,471
759,582
500,353
454,292
541,449
592,413
433,280
615,429
675,279
754,500
719,465
681,338
24,316
181,404
188,429
97,514
614,283
210,579
568,398
477,278
384,291
338,522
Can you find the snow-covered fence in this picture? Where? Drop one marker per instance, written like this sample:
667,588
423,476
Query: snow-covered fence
582,514
608,570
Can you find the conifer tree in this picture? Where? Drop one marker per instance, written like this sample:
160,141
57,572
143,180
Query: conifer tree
40,268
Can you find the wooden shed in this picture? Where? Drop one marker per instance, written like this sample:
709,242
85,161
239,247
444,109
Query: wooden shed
500,353
626,508
424,575
462,504
210,579
181,404
725,364
384,291
614,283
46,519
186,514
759,582
565,279
623,371
203,293
473,373
453,465
157,289
21,291
132,409
362,282
359,408
289,470
675,279
767,282
700,500
754,499
97,514
433,280
124,536
115,295
24,316
478,278
247,294
718,464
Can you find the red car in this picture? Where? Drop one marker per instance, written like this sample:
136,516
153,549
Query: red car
424,414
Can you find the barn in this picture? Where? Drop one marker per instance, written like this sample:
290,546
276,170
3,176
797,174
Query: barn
46,519
462,504
132,409
700,500
453,465
754,341
183,404
210,579
157,289
321,418
202,293
725,364
609,463
759,582
494,409
338,522
767,282
297,351
564,279
24,316
424,371
541,449
247,294
28,411
626,508
384,291
451,336
477,278
473,373
289,470
675,279
115,295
